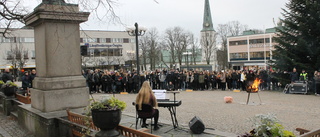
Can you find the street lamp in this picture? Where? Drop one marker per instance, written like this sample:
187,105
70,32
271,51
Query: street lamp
137,32
187,53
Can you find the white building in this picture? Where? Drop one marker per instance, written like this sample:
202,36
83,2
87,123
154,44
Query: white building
106,49
251,50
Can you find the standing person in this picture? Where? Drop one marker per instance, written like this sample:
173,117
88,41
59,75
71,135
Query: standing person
177,80
25,81
157,74
110,82
250,78
162,79
104,80
118,82
207,80
146,96
195,84
32,76
90,81
97,79
234,77
201,81
229,79
124,82
223,80
243,80
213,80
219,80
129,83
303,75
190,80
6,75
317,82
294,75
183,76
135,82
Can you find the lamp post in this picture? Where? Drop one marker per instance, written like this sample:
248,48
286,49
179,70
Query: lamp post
137,32
187,53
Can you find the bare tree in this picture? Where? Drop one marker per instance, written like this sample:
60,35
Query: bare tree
17,56
208,42
235,28
12,13
232,28
144,51
150,48
175,44
195,48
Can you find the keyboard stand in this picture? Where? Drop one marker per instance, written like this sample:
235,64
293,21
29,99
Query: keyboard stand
173,112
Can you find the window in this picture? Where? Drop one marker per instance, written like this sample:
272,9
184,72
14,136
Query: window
9,55
7,39
106,52
108,40
90,40
132,40
116,40
240,42
25,55
103,40
255,41
259,55
239,56
23,39
125,40
33,54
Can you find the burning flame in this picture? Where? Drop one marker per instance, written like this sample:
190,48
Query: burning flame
255,86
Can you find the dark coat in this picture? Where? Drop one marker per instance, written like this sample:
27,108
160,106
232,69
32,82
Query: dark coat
7,76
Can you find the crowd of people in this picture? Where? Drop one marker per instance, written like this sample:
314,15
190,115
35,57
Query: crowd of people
173,79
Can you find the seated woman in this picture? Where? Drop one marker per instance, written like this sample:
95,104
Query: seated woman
146,96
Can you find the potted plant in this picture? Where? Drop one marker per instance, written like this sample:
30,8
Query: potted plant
1,83
9,88
267,126
106,115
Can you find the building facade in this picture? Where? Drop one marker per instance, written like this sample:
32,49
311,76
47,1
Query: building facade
104,49
251,50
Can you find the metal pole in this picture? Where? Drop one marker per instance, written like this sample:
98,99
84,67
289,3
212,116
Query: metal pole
137,54
188,61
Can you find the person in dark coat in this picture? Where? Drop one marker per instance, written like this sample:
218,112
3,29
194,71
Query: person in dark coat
25,81
7,76
32,76
294,75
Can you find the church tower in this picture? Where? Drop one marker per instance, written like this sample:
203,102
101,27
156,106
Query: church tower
208,38
207,19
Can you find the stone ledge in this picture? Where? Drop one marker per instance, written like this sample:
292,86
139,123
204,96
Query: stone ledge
42,83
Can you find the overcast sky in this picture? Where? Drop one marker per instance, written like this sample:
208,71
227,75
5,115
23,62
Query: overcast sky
188,14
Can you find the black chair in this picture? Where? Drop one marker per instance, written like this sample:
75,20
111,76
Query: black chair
145,112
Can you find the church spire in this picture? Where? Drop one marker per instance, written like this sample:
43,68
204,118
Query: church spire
207,20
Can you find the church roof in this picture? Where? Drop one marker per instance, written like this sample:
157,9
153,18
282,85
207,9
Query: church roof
207,19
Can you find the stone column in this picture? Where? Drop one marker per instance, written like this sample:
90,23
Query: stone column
59,83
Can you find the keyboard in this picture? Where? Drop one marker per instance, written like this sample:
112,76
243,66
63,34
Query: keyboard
165,103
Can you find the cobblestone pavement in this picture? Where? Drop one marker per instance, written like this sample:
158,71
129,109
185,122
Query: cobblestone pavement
292,110
9,127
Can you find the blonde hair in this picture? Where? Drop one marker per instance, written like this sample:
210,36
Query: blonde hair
144,95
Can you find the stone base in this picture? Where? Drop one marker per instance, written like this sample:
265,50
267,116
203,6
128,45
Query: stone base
61,99
39,123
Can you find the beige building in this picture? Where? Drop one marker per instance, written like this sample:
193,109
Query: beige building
106,49
251,50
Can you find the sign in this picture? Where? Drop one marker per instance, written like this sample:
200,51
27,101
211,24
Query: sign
160,94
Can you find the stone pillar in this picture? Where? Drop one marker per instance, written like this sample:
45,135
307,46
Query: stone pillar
59,83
